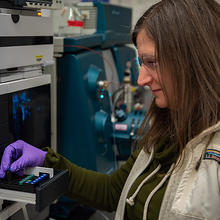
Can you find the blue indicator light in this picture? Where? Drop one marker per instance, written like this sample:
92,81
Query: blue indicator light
102,96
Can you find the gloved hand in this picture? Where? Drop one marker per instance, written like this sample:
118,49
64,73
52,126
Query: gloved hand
19,155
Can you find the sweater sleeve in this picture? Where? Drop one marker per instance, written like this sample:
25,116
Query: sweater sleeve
97,190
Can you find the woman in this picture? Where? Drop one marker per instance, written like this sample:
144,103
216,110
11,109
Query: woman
175,174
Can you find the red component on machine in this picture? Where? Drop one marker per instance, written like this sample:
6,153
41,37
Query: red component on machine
75,23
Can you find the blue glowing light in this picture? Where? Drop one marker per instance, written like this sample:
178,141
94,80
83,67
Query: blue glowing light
102,96
21,102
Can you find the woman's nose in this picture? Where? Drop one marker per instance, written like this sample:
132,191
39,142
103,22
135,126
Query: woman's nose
144,78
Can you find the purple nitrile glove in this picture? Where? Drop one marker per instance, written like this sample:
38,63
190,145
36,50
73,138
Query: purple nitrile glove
19,155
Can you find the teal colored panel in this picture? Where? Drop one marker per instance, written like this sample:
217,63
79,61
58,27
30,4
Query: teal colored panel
121,55
78,104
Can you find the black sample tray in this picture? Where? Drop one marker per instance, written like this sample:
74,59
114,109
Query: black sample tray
45,191
14,182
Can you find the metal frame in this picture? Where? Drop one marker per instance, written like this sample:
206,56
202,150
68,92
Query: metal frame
12,209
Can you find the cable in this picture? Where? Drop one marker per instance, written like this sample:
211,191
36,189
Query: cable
103,215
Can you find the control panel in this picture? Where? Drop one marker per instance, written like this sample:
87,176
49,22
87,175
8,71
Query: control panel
37,4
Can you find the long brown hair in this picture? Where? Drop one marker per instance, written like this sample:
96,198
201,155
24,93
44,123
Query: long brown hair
187,38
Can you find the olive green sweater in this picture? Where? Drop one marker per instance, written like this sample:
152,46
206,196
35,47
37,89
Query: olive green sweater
103,191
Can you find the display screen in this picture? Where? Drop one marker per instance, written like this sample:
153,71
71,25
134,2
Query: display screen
25,115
